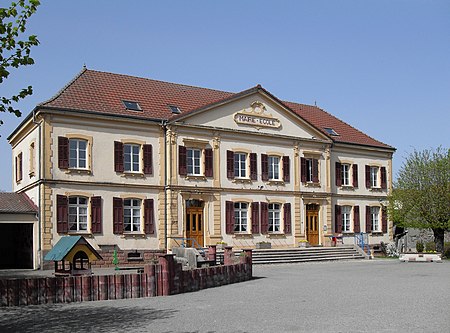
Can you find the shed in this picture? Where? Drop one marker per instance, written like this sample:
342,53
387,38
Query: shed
75,250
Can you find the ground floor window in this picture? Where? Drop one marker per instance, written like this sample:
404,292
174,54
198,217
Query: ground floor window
274,217
240,216
375,218
132,215
78,207
346,213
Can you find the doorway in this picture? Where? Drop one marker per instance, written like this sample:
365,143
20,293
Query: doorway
194,223
312,224
16,245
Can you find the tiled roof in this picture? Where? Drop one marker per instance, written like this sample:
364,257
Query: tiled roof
17,203
103,92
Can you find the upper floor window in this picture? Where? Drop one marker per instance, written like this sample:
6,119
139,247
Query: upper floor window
376,177
133,157
346,174
240,165
78,213
193,161
77,153
275,168
373,176
240,216
309,170
32,159
19,167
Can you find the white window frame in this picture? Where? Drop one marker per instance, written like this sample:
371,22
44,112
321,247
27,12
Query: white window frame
345,174
274,218
375,219
78,214
346,218
134,164
309,170
274,167
76,159
240,165
374,175
132,209
241,217
193,162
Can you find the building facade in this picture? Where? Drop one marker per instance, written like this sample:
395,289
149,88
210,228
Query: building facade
140,164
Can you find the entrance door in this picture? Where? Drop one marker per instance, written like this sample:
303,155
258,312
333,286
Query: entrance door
194,223
312,224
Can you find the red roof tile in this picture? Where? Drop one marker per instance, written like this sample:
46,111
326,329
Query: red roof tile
11,202
103,92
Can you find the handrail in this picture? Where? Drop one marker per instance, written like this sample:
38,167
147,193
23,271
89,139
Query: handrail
193,242
362,240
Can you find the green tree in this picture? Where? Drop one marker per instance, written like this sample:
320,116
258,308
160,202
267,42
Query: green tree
421,195
15,47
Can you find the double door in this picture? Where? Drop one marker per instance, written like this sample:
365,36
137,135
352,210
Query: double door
194,226
312,225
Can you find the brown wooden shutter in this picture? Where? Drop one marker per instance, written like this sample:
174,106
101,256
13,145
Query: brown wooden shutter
230,164
286,169
264,167
264,217
118,156
338,169
118,216
229,217
62,214
303,169
96,215
287,218
255,217
383,220
368,220
356,223
209,162
383,178
148,159
337,219
182,161
368,176
149,217
315,170
253,166
355,175
63,152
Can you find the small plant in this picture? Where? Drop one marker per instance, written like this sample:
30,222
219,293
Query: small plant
430,247
419,247
391,250
222,243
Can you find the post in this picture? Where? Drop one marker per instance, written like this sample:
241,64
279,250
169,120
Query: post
228,255
212,252
167,271
247,259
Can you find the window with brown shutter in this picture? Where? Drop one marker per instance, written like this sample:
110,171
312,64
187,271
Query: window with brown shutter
355,175
383,178
356,223
63,152
230,164
286,167
264,206
337,219
62,214
118,216
148,159
368,176
255,218
303,169
229,217
315,165
384,220
209,162
182,161
368,219
19,167
253,166
149,218
96,215
287,218
264,167
118,156
338,172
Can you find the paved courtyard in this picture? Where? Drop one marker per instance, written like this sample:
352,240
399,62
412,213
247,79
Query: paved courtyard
351,296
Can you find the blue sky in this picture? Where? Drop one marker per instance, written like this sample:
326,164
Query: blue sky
382,66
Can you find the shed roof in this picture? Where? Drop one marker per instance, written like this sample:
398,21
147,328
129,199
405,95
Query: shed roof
16,203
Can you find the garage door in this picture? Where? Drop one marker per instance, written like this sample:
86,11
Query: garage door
16,245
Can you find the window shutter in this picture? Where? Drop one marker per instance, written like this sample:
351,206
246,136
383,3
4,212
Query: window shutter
118,156
264,167
229,217
230,164
96,215
118,216
337,219
303,169
253,166
209,162
182,161
355,175
368,176
148,159
383,220
356,225
149,217
63,152
315,170
368,220
338,169
62,214
264,217
286,169
287,218
255,217
383,178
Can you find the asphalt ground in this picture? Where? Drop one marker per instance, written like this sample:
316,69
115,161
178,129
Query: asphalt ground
350,296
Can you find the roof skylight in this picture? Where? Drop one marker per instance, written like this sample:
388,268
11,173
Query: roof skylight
131,105
330,131
174,109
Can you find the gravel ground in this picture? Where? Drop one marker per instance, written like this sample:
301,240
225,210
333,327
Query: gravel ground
350,296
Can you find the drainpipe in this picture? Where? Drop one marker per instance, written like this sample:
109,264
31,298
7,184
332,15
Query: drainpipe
164,126
38,162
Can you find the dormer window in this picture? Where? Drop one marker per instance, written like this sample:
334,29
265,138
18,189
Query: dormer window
330,131
130,105
174,109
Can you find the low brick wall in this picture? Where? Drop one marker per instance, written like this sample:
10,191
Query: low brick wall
164,278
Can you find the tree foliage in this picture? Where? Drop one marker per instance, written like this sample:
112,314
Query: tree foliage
15,47
421,195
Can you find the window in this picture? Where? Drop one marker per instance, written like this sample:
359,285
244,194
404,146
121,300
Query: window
193,161
345,174
131,157
32,159
174,109
77,153
274,167
346,218
132,215
375,218
330,131
374,176
309,170
19,167
274,217
240,165
240,216
78,217
130,105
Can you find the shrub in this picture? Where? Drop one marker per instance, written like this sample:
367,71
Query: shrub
419,246
430,246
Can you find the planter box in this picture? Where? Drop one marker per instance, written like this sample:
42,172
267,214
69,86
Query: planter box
263,245
421,257
303,244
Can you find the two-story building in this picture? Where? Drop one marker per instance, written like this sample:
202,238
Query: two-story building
138,164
